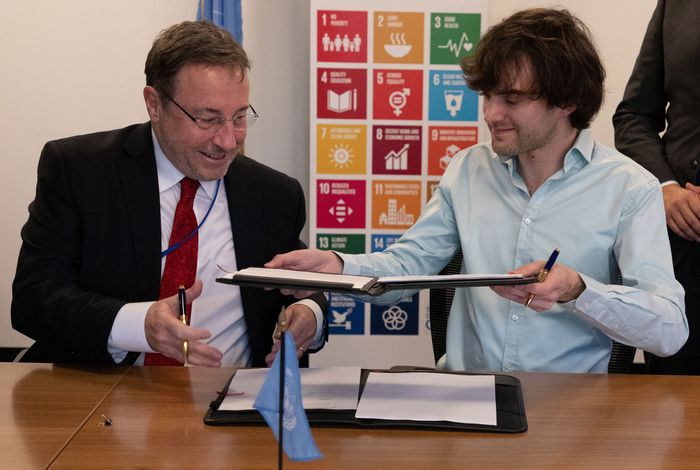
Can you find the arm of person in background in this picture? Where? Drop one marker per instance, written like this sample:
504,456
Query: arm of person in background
641,117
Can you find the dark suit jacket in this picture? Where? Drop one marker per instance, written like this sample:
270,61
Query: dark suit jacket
92,242
663,93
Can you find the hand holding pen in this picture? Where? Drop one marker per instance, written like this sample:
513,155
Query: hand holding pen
166,332
543,274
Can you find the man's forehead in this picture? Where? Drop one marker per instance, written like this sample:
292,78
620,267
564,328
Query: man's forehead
516,78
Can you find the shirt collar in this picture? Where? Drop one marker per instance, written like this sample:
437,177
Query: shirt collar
580,153
169,176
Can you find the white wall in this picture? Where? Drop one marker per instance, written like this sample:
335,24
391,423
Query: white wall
76,66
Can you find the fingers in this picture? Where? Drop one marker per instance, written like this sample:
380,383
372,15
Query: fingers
307,260
166,334
682,207
296,293
193,292
291,260
302,326
693,188
563,284
201,354
275,349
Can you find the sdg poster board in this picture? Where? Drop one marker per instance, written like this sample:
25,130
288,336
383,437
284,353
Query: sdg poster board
389,109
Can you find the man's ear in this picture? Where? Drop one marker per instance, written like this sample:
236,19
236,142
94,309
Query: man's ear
567,110
154,105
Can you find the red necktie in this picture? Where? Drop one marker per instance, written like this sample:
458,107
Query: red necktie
180,264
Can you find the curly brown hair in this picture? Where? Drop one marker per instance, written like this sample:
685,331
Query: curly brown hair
564,62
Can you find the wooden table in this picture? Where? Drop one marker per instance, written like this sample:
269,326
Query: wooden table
42,407
575,421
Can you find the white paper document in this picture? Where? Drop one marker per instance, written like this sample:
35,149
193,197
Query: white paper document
356,282
323,388
419,396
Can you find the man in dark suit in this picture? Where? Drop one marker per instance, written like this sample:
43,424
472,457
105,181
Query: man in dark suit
98,236
663,94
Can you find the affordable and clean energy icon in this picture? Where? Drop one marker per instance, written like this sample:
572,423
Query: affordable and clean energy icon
464,43
341,156
340,211
398,100
453,101
398,47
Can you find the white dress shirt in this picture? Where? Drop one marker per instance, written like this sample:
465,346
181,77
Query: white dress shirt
219,309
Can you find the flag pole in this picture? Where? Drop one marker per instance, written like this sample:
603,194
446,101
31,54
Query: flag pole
282,328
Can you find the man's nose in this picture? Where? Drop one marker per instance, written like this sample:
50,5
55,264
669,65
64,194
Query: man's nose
227,137
493,112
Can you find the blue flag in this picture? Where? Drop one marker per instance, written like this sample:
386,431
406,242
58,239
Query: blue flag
225,14
298,443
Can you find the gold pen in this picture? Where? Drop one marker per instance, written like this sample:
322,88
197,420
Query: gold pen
182,302
543,274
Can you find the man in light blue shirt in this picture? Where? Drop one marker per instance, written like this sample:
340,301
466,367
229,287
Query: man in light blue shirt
541,183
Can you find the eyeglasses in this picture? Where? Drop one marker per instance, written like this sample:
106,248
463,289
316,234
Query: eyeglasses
240,122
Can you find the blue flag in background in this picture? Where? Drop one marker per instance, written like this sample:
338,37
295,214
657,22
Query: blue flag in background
224,14
298,442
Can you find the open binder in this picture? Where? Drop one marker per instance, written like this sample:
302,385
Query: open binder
510,409
304,280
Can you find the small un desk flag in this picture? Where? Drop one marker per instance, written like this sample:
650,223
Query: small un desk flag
298,443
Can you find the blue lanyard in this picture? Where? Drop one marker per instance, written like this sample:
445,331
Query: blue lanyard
191,234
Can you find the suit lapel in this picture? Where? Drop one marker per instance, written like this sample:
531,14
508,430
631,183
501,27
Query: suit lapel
139,180
245,209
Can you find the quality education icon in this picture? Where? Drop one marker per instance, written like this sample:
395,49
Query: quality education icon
341,93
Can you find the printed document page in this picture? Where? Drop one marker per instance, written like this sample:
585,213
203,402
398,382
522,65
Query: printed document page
326,388
421,396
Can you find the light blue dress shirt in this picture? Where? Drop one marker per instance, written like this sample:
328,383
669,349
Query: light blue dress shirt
603,211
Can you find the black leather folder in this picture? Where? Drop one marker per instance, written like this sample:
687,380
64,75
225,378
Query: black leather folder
363,285
510,410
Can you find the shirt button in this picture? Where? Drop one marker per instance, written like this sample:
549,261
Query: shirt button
694,163
528,221
515,316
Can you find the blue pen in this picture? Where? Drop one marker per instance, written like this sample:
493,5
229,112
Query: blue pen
543,274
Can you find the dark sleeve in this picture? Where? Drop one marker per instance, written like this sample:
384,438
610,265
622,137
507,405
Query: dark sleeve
641,115
48,305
